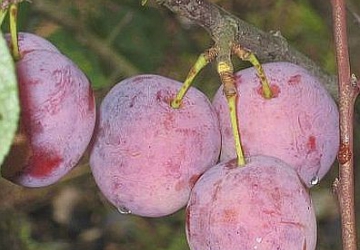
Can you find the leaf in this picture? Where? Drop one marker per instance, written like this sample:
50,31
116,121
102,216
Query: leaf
9,102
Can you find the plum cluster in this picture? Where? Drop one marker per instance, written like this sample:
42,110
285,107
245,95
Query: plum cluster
151,159
147,157
290,142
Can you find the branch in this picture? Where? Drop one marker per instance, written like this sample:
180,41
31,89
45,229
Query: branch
266,46
348,91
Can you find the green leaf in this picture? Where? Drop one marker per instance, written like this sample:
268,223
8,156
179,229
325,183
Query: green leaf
9,102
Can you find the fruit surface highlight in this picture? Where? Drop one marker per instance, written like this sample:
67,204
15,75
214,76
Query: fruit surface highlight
262,205
299,125
30,42
147,155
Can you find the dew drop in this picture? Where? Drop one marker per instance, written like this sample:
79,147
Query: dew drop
123,210
315,180
258,241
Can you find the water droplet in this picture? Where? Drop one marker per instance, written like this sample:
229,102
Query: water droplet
315,180
123,210
258,241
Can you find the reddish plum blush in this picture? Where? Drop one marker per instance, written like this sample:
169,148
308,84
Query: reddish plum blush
57,115
262,205
299,125
147,155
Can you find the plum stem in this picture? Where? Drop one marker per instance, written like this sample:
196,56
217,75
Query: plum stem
247,55
227,77
200,63
224,37
13,32
348,91
225,71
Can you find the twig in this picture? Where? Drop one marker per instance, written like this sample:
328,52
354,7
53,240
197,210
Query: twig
348,91
266,46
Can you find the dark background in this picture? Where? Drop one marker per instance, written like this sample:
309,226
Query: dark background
111,40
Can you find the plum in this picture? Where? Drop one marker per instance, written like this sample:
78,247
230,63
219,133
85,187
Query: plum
30,42
57,116
262,205
299,125
146,155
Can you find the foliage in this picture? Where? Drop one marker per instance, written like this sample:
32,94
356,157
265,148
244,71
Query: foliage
9,103
152,40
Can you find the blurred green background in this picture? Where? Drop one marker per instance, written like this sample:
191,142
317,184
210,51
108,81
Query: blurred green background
111,40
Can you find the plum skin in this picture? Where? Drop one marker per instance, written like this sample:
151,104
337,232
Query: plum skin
147,155
57,114
30,42
299,125
262,205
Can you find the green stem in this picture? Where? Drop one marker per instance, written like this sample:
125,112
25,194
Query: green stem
235,125
13,31
200,63
225,71
224,30
247,55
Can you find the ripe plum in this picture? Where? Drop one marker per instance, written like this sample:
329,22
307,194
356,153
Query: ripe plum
57,115
299,125
147,155
262,205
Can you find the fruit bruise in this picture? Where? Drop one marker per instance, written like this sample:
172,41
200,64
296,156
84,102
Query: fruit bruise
299,125
262,205
147,155
42,163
